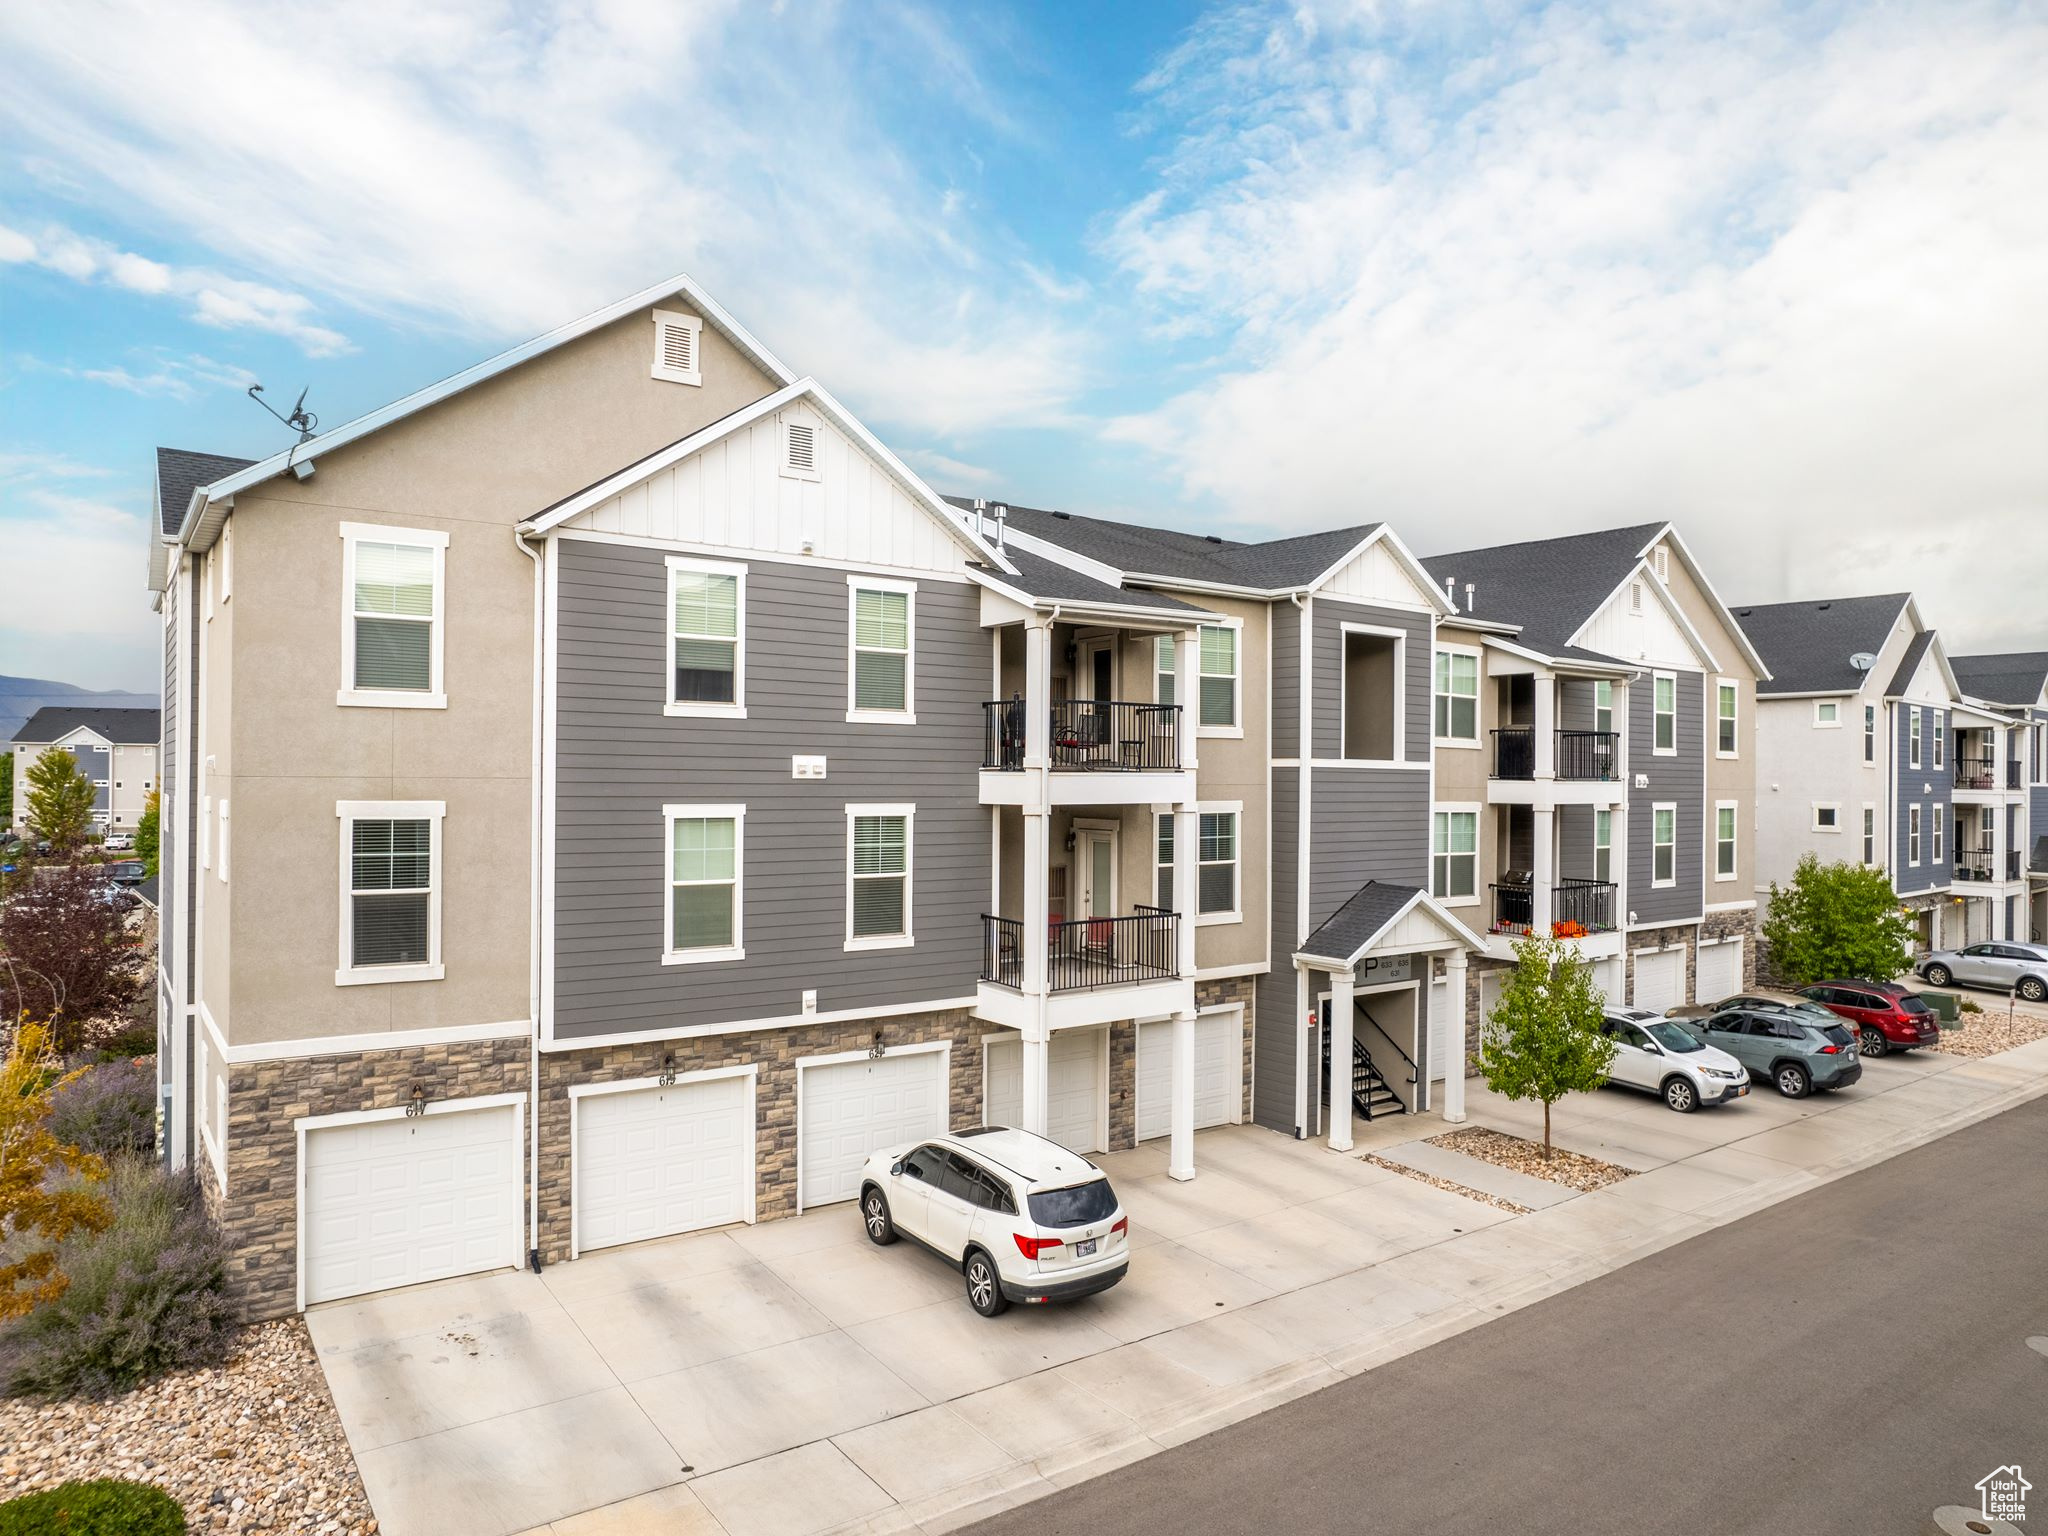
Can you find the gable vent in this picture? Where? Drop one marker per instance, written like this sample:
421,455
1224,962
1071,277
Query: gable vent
800,448
675,347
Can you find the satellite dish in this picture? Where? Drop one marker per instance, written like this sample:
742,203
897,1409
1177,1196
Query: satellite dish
1863,661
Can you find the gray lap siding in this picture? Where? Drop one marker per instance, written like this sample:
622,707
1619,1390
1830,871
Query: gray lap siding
1927,787
1678,780
1326,676
619,759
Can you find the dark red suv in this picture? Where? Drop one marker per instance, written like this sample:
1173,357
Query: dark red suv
1886,1016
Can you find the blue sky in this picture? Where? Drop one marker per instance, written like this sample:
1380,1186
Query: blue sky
1485,270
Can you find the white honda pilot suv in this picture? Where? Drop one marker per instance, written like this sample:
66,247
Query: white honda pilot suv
1022,1218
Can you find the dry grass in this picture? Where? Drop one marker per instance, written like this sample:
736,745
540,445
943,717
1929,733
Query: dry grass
1447,1186
1574,1170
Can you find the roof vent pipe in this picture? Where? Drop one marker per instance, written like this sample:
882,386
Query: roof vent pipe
1002,514
1468,596
1451,592
980,513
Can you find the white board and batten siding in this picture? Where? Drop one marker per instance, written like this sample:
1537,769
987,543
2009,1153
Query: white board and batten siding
733,497
1651,636
1373,575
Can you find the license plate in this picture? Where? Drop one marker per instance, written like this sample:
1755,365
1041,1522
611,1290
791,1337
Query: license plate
1084,1249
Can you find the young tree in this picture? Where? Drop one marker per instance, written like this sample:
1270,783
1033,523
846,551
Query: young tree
6,789
1837,920
1544,1038
59,799
149,835
39,1206
64,950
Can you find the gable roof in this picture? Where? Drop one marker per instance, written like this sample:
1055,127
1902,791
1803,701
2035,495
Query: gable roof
1037,578
1807,644
180,472
1546,588
2014,678
1369,912
1916,652
122,727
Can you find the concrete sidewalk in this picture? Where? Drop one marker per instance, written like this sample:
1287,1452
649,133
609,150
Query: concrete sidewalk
792,1379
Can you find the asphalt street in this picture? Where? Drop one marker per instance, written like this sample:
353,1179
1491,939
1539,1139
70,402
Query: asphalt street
1845,1361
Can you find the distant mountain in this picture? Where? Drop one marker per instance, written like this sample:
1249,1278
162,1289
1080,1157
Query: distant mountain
21,697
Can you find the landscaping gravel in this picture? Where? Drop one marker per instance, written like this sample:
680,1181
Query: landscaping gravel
1574,1170
1445,1184
252,1446
1986,1033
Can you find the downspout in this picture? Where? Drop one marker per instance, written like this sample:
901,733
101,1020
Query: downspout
533,913
1304,1110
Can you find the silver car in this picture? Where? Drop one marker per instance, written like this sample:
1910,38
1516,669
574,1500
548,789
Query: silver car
2002,966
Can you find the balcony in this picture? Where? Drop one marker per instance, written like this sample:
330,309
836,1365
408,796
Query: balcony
1584,757
1578,908
1978,864
1086,736
1087,953
1976,771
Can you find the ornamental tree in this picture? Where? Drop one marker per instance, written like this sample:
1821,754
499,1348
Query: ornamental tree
1837,920
149,834
65,952
46,1190
60,799
1543,1040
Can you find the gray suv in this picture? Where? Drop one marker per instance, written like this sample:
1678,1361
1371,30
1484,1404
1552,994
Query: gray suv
2006,966
1796,1052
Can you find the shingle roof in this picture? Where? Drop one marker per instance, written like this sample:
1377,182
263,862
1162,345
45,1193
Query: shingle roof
1547,587
146,889
2015,678
123,727
1053,582
1902,678
1370,908
180,472
1807,645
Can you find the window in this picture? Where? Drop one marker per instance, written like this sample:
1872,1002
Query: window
676,339
1940,830
1216,865
707,623
1940,733
1827,713
705,863
1912,834
1913,738
880,685
1457,696
1162,857
1827,818
1603,706
1165,668
1870,733
878,875
1374,668
1725,694
391,891
1454,856
799,450
1603,847
1724,840
1870,834
391,648
1219,678
1664,714
1664,845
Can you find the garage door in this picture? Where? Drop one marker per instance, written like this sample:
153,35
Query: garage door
849,1109
1660,979
656,1161
394,1202
1720,970
1219,1072
1607,977
1073,1089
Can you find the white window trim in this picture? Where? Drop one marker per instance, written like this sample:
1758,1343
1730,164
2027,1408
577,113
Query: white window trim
905,939
1938,848
1913,836
1915,731
1228,732
1172,671
1598,707
1165,819
855,715
1217,808
1598,812
670,815
1820,724
1400,639
737,709
1834,806
1870,735
1735,719
348,812
1734,840
1672,807
695,326
436,696
1656,713
784,467
1451,808
1479,692
1868,832
1939,733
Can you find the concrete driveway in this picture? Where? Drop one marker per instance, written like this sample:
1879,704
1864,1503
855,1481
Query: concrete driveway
791,1378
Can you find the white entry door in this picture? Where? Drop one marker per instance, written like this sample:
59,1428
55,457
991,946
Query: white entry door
1720,970
1219,1073
1074,1098
848,1109
395,1202
651,1162
1095,869
1660,979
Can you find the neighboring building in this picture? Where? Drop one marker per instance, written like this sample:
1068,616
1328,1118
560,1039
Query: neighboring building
2003,810
1593,723
115,748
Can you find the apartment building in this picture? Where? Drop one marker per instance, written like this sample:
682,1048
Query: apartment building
2001,793
116,749
1593,715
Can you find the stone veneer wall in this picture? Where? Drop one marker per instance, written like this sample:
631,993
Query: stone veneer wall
266,1099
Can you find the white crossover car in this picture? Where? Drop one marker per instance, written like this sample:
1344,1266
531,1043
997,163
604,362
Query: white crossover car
1657,1055
1021,1218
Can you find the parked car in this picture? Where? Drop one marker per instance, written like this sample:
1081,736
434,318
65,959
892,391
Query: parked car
1885,1019
1661,1057
1795,1052
1762,998
127,872
1021,1218
2005,966
119,842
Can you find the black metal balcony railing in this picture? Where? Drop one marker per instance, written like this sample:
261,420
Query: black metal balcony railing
1088,952
1976,863
1514,908
1580,755
2012,864
1974,771
1577,907
2012,774
1089,735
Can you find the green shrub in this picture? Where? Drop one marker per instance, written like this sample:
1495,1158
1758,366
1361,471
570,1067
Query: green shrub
147,1295
103,1507
131,1041
1969,1005
108,1110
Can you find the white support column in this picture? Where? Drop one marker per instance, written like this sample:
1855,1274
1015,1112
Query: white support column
1546,725
1037,692
1034,1053
1617,866
1340,1060
1543,877
1036,828
1187,691
1180,1157
1454,1043
1186,894
1305,1056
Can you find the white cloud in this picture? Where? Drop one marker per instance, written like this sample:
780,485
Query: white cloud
1773,273
82,545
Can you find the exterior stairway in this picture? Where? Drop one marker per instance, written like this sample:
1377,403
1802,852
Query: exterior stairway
1370,1095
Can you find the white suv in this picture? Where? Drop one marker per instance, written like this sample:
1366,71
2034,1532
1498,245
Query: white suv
1655,1054
1021,1217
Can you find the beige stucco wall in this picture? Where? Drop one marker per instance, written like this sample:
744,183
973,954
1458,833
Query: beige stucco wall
470,467
1461,775
213,902
1233,768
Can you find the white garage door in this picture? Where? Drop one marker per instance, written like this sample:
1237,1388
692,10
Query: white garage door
1219,1072
849,1109
1720,970
1607,977
1660,979
656,1161
1074,1099
394,1202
